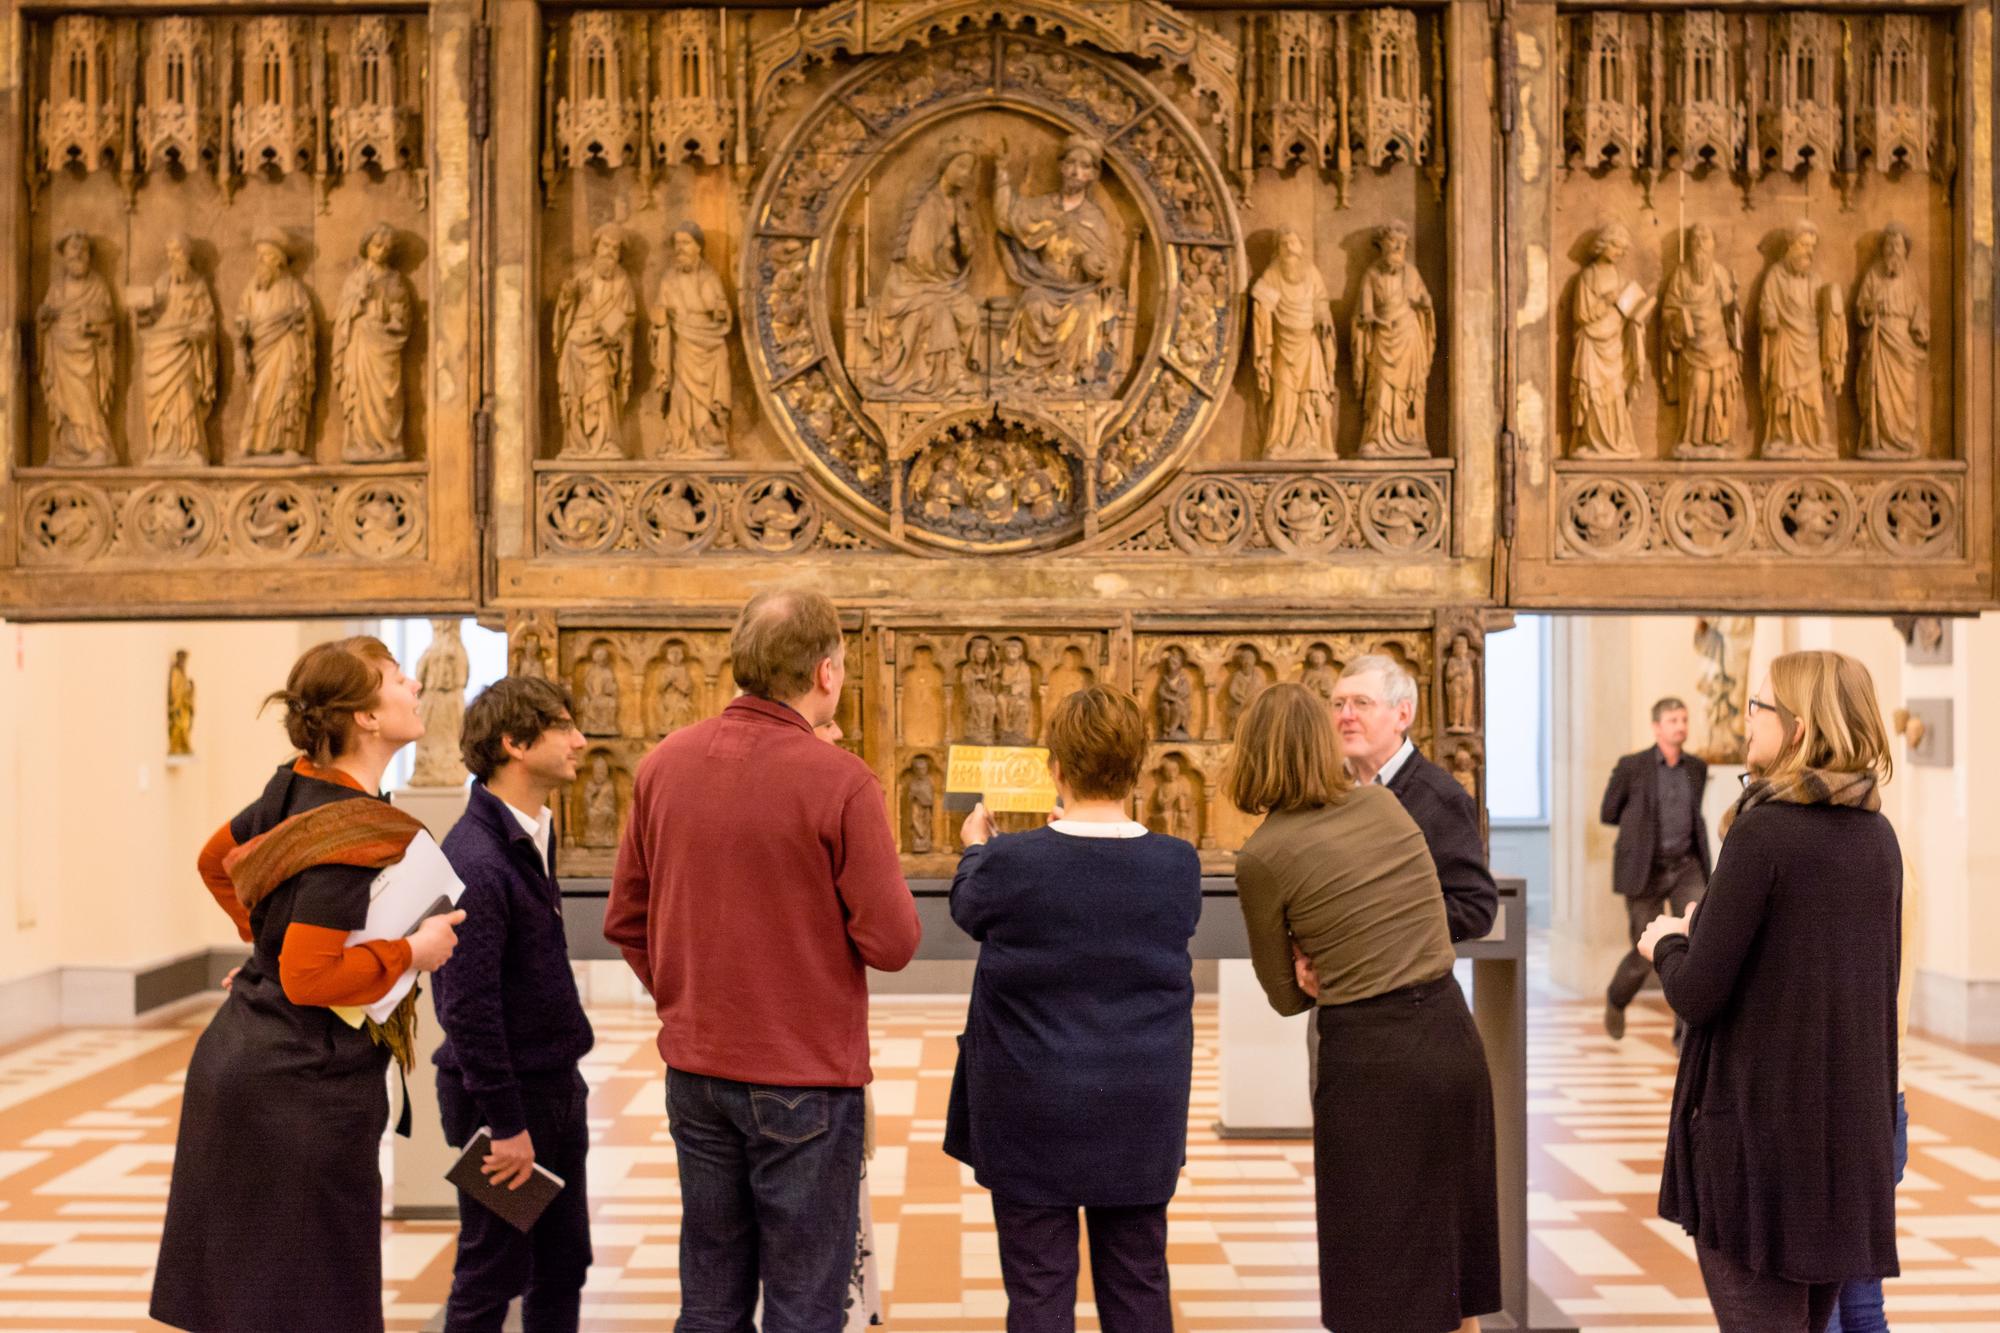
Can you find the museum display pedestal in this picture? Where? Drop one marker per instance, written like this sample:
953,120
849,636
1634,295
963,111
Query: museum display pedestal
418,1188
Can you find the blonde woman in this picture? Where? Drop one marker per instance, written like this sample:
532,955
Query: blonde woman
1779,1149
1403,1149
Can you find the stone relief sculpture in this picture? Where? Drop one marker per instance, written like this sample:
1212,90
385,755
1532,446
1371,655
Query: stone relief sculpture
78,355
274,327
1465,770
600,805
1172,806
528,660
443,672
1895,345
1701,341
1461,687
1319,673
1724,645
1062,251
595,314
1016,683
1395,342
370,330
1803,354
1608,361
692,321
1243,683
180,707
177,324
920,792
677,690
921,333
923,699
598,709
979,691
1173,700
1293,345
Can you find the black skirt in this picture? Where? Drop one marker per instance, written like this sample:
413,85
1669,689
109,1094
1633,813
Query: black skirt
1403,1149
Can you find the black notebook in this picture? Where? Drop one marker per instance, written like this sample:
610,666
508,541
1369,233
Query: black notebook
520,1207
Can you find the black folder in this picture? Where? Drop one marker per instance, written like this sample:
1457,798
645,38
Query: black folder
519,1207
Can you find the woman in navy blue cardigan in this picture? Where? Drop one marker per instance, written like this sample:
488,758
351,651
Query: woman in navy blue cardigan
1072,1083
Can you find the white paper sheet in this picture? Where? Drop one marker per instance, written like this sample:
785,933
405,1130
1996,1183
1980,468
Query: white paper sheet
396,899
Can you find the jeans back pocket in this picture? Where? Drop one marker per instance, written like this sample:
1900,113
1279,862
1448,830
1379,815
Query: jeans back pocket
789,1115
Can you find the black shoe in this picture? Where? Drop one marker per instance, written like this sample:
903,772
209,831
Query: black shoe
1614,1021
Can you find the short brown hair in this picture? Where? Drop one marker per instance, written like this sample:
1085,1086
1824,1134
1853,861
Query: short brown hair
327,686
1661,707
1287,755
779,640
514,708
1098,736
1834,696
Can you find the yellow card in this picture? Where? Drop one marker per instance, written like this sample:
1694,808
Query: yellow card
1013,779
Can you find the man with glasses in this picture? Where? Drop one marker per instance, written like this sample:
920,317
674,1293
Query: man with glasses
1662,857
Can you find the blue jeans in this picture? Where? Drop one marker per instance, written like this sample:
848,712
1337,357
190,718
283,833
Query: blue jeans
1859,1309
770,1190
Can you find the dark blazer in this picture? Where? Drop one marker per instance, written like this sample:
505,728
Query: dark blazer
1450,824
1074,1070
1630,803
1779,1142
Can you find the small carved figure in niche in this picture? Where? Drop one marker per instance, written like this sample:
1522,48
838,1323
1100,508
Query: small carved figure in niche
1461,686
1037,491
1395,342
677,707
921,793
1062,250
78,351
1069,676
922,327
274,327
1465,771
979,687
1215,515
168,521
691,325
443,672
1244,683
679,514
993,493
177,324
1609,359
1173,805
528,658
595,314
1403,514
1173,700
774,517
1803,354
1701,337
1017,694
1293,342
600,694
180,707
923,699
945,495
1320,675
600,805
1895,343
370,331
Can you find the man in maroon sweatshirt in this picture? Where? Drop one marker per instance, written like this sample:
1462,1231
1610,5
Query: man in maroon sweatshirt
756,883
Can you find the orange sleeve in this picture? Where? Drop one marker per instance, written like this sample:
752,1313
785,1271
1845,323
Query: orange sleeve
315,966
220,844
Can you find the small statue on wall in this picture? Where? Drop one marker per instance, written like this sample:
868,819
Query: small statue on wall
1724,645
1173,803
1293,343
1173,700
78,355
1701,336
600,805
177,324
599,706
1803,354
1395,342
370,330
1240,687
595,314
1017,694
1609,359
1465,770
979,686
1461,687
922,328
677,706
1895,345
528,660
443,672
180,707
921,793
1062,250
274,327
691,324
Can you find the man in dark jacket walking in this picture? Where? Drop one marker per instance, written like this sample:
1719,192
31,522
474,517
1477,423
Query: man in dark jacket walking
1662,858
514,1027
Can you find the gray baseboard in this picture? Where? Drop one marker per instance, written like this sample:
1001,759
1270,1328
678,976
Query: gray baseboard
1958,1009
115,996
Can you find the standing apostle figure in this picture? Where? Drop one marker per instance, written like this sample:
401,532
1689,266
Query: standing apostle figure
1895,344
274,326
595,314
78,359
1395,341
1294,346
691,324
177,328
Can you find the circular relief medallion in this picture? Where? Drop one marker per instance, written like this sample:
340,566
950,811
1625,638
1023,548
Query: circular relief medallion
775,516
1707,517
1402,515
169,519
677,515
65,524
1604,516
1915,518
273,520
379,520
1811,516
1306,516
581,515
1210,516
1002,224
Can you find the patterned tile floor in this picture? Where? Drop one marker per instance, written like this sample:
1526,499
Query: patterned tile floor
87,1120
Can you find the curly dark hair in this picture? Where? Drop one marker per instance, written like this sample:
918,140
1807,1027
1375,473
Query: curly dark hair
515,708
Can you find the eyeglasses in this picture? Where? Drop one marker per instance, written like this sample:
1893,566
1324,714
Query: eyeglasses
1357,704
1756,706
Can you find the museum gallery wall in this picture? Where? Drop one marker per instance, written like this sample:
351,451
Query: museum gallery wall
1085,340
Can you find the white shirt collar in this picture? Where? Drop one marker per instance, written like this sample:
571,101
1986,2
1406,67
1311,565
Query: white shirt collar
1083,828
537,825
1395,764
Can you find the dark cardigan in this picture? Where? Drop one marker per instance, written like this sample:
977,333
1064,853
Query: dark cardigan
1778,1150
1449,821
